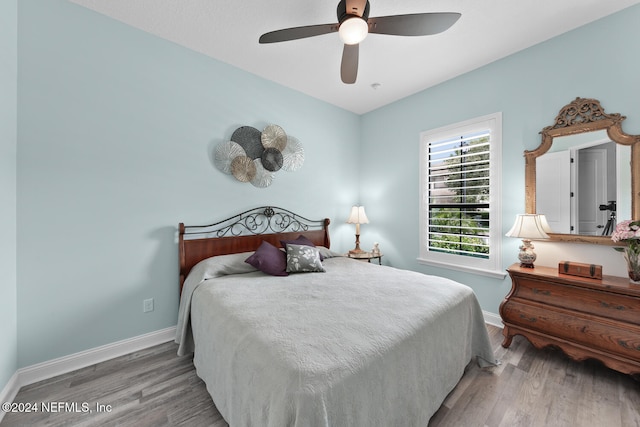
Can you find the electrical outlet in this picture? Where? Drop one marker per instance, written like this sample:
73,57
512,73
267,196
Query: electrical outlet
147,305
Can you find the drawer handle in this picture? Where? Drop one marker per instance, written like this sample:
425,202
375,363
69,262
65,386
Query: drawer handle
627,346
530,319
538,291
607,305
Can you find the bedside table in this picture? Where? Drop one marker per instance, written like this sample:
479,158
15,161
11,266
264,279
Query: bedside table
366,256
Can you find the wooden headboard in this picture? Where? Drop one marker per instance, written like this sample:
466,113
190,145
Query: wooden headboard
245,232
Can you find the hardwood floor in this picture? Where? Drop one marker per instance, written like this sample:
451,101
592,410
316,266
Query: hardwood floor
531,387
540,388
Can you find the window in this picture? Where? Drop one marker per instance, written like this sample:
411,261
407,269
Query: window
460,182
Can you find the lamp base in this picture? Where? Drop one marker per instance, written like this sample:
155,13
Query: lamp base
526,256
357,249
523,265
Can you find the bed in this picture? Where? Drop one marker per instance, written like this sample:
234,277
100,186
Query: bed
347,344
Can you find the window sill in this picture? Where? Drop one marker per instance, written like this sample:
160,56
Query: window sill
495,274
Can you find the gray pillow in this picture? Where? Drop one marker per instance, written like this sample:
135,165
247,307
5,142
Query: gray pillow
327,253
303,259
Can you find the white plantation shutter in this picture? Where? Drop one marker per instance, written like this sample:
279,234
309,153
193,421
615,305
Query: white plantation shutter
460,196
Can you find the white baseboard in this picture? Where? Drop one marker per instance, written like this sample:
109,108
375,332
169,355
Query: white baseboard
72,362
62,365
9,392
492,319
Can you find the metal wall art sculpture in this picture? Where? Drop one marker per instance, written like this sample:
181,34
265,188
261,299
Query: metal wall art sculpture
254,156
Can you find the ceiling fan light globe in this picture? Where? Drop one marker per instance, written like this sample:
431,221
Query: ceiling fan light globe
353,30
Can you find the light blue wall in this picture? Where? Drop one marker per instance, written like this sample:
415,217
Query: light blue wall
117,129
8,141
595,61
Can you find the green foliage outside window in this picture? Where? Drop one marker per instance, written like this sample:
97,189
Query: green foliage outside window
468,176
455,231
463,230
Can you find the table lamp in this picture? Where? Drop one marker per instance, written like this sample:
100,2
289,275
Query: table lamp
357,217
528,227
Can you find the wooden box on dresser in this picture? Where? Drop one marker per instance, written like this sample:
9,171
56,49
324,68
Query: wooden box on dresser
586,318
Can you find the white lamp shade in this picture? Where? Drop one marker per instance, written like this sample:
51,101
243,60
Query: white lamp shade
545,224
353,30
358,216
528,226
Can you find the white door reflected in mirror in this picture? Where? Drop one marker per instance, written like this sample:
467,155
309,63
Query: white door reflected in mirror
583,184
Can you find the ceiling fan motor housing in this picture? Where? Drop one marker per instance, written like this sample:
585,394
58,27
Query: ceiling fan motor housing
343,14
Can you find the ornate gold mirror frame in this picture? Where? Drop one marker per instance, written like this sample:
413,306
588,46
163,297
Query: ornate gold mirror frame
580,116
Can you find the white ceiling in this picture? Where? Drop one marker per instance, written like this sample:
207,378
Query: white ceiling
229,31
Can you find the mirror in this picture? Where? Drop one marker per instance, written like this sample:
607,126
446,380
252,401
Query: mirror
583,175
582,184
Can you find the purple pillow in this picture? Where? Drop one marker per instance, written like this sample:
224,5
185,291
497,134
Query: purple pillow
269,260
300,240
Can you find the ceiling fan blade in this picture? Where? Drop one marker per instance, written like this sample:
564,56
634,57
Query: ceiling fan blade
418,24
355,7
349,66
297,33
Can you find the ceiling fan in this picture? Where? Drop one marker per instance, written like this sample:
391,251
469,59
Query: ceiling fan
354,24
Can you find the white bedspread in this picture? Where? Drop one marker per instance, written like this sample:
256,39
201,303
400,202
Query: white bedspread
359,345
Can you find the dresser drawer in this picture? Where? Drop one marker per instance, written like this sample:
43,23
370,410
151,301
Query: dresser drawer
607,336
600,303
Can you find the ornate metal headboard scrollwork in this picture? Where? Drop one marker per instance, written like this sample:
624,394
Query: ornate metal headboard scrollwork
266,219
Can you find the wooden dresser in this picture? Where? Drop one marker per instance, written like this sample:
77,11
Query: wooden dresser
586,318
